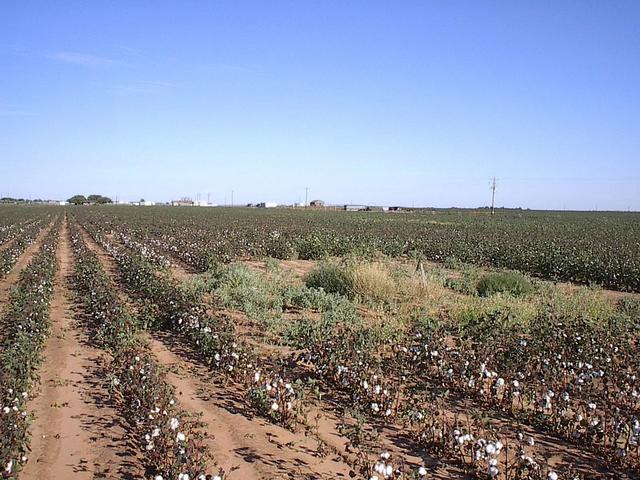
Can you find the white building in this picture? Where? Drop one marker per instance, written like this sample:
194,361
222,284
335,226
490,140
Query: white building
267,205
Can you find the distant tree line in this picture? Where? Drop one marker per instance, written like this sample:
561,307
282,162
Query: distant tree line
22,200
91,199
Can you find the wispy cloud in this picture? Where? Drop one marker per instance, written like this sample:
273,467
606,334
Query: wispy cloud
83,59
139,87
7,110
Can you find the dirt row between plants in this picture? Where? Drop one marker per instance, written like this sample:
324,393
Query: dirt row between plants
76,432
22,262
246,447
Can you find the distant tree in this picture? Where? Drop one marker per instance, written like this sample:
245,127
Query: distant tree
98,199
77,200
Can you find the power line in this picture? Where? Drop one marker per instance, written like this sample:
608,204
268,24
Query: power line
493,195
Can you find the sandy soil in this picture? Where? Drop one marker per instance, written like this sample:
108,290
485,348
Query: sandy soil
76,432
298,268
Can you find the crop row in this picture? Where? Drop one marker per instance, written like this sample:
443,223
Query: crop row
23,237
169,438
25,327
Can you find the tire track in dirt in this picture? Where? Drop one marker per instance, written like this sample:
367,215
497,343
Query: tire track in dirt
12,277
76,432
246,447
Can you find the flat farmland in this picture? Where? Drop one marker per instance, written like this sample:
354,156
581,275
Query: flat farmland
201,343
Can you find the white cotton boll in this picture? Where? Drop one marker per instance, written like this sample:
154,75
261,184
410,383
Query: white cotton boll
422,471
490,449
158,477
552,476
174,423
493,471
388,471
275,407
181,437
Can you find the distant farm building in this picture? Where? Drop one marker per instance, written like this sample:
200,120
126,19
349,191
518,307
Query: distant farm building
183,202
267,205
317,203
354,208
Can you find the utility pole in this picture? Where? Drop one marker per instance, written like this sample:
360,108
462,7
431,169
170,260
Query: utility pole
493,196
232,198
306,196
208,198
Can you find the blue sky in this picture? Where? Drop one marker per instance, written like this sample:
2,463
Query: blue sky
392,102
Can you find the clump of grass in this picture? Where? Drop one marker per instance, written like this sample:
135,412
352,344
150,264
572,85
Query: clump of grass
331,278
372,281
475,315
512,283
586,303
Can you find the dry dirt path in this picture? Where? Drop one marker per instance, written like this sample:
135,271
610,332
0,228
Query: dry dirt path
76,433
26,257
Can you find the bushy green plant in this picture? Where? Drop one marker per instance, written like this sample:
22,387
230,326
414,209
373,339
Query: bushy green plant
329,277
512,283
